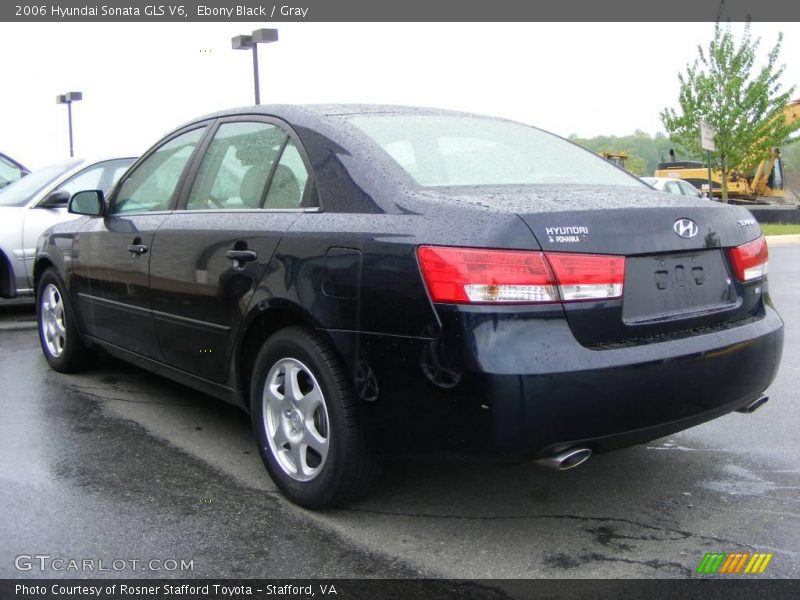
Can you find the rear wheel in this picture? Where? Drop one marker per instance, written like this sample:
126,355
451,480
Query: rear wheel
305,421
58,333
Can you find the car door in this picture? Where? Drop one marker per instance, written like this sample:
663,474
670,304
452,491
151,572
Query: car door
250,186
111,254
96,176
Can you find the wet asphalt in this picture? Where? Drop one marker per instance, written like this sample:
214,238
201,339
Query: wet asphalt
116,463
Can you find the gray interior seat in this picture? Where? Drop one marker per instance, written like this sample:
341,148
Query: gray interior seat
253,183
284,192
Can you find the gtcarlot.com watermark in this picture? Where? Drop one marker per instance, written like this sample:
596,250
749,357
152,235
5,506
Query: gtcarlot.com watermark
44,563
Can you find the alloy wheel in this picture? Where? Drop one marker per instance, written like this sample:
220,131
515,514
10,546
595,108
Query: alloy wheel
53,320
296,419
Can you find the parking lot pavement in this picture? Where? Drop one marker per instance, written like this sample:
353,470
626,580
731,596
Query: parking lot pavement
120,462
17,314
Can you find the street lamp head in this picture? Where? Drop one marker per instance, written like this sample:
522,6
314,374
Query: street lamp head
242,42
265,36
259,36
69,97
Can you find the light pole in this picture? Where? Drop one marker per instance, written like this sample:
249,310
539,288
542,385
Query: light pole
68,99
246,42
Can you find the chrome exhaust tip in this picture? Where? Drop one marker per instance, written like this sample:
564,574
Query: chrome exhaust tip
754,405
568,459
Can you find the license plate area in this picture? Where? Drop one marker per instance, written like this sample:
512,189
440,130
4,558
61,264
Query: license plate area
666,287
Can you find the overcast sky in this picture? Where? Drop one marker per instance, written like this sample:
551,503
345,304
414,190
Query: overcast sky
141,80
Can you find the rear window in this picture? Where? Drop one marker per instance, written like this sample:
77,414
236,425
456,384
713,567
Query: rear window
445,151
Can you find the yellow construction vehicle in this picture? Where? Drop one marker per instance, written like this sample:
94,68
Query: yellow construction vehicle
765,182
618,158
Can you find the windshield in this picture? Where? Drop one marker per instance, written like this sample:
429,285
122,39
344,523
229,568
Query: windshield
23,190
438,151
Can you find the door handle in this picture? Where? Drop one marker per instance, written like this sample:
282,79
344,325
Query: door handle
241,255
137,249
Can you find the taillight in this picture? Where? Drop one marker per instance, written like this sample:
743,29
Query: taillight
465,275
750,260
473,275
588,276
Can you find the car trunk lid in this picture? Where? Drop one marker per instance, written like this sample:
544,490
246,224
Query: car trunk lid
678,274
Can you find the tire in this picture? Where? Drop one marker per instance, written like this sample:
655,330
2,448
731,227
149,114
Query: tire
313,423
61,341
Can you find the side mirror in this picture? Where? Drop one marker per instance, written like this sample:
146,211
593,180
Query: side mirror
55,200
88,202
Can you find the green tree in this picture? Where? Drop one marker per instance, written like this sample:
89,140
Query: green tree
636,165
744,103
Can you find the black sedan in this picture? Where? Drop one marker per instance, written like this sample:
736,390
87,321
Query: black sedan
375,279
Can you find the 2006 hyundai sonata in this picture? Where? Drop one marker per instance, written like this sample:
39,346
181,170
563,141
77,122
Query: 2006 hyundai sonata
364,278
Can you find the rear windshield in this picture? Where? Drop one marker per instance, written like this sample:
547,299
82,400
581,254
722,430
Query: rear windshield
23,190
438,151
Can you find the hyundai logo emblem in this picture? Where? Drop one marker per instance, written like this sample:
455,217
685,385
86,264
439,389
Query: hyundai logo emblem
686,228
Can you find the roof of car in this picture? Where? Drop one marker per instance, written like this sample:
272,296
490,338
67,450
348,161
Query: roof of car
73,163
308,113
333,109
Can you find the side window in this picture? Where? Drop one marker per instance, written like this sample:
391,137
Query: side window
689,189
99,177
89,179
151,186
672,188
288,185
116,172
236,167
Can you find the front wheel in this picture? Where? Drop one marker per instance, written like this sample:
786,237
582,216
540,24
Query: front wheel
305,421
58,333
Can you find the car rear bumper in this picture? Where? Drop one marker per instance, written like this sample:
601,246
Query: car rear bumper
524,385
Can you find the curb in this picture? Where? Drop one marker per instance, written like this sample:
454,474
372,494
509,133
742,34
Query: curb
783,240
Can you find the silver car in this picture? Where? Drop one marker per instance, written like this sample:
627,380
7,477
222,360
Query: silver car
672,185
32,204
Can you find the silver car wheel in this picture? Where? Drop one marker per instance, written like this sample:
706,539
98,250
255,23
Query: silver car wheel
52,322
296,419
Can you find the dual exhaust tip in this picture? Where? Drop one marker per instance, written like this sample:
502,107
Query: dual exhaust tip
575,457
